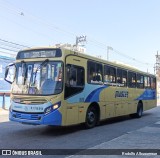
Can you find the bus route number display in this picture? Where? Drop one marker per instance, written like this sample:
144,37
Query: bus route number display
50,53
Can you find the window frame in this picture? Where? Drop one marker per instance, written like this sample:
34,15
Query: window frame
148,83
110,73
122,77
140,85
153,84
71,89
94,77
131,84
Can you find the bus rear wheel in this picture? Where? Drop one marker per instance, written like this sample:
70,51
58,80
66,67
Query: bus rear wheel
91,117
139,110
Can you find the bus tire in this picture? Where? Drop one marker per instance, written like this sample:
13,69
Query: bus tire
91,117
139,110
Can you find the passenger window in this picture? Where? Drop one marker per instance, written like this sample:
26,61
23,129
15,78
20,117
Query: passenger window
119,76
131,79
95,73
122,77
153,83
140,81
109,74
74,80
147,82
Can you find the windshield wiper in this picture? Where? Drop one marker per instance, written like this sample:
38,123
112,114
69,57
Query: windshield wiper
24,70
44,63
41,65
35,73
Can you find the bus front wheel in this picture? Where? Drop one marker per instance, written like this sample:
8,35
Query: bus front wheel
91,117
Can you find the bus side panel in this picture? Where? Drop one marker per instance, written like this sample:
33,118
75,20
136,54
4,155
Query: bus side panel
109,94
132,103
148,97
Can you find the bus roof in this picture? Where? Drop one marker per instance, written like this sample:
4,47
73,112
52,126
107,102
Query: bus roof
111,63
85,55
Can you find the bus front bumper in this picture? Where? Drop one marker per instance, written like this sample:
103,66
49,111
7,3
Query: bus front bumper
53,118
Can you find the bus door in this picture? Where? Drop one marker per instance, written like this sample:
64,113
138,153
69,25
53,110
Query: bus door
74,86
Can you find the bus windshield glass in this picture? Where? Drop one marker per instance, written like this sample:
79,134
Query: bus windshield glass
39,78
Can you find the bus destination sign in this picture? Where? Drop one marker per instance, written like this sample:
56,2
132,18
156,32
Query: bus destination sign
45,53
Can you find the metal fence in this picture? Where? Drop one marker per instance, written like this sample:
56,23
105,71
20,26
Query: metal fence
4,100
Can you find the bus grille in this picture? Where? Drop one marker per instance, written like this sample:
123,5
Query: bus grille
27,116
27,100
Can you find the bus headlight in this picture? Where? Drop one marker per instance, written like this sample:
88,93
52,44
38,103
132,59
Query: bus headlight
56,106
52,108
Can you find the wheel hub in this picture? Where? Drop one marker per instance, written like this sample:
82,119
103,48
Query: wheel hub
91,117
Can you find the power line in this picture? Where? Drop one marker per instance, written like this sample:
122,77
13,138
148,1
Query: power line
4,52
13,43
131,58
55,28
10,46
8,49
23,13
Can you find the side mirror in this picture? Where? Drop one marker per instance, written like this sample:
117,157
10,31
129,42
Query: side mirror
10,73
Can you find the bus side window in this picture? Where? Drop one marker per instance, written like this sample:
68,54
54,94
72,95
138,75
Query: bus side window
73,76
74,80
95,72
124,77
140,81
119,76
153,83
91,72
131,79
147,82
109,74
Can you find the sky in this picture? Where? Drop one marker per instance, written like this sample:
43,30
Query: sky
130,27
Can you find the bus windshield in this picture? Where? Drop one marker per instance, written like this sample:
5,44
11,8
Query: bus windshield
39,78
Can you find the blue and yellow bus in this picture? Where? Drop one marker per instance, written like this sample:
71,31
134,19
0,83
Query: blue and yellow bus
61,87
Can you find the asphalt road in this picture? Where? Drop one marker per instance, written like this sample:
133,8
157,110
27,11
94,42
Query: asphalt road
18,136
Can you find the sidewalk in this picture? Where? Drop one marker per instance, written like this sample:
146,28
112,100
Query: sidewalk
158,102
3,112
4,115
145,140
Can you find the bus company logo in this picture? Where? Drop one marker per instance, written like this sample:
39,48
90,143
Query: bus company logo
121,94
6,152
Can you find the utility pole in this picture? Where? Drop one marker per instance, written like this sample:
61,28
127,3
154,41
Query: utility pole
157,64
108,48
80,39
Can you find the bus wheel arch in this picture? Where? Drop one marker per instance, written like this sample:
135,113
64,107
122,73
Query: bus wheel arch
92,115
